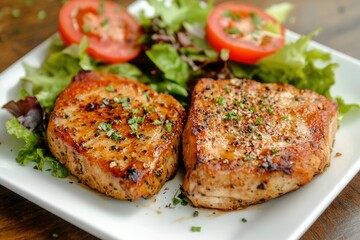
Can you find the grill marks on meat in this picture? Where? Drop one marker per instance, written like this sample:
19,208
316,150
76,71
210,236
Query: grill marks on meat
247,142
116,135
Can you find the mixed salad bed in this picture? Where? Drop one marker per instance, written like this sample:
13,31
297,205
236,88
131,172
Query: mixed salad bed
183,42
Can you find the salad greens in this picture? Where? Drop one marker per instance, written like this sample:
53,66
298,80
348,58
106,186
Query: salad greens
175,54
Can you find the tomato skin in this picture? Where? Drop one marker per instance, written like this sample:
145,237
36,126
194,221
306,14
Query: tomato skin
114,44
240,50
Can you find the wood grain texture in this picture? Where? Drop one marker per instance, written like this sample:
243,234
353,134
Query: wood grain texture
21,219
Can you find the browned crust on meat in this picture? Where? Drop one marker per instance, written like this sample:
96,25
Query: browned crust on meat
247,142
131,165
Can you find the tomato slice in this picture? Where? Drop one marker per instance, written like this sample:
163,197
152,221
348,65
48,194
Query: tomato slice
247,32
111,31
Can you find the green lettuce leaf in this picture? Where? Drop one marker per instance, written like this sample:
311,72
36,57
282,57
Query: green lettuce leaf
344,108
57,70
181,11
280,11
126,70
32,152
167,59
296,65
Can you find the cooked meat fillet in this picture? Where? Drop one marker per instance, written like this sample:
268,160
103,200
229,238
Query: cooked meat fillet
246,142
116,135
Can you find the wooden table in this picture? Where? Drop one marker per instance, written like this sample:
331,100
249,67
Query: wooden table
23,25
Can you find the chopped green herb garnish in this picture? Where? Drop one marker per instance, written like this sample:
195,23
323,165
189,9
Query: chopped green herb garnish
244,220
134,111
285,118
259,121
196,229
248,158
195,213
101,9
231,115
85,28
157,122
124,102
232,31
41,15
104,126
256,20
234,16
133,123
219,100
227,89
176,201
110,132
274,151
252,109
168,126
105,22
116,136
146,94
270,111
15,13
110,88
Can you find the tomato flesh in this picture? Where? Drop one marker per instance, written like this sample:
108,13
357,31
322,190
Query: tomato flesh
111,31
239,28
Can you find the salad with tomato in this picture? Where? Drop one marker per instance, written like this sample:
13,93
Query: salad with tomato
169,50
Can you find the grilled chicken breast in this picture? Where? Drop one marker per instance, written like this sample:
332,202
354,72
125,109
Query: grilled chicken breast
246,142
116,135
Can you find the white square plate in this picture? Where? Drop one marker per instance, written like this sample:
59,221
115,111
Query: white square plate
287,217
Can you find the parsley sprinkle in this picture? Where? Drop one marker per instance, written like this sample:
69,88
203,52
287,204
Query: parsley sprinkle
133,123
124,102
146,95
255,19
176,201
134,111
41,15
219,100
157,122
232,31
116,136
285,118
196,229
85,28
231,115
227,89
101,9
110,132
259,121
110,88
244,220
15,13
195,213
248,158
104,126
105,22
234,16
270,111
274,151
168,126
